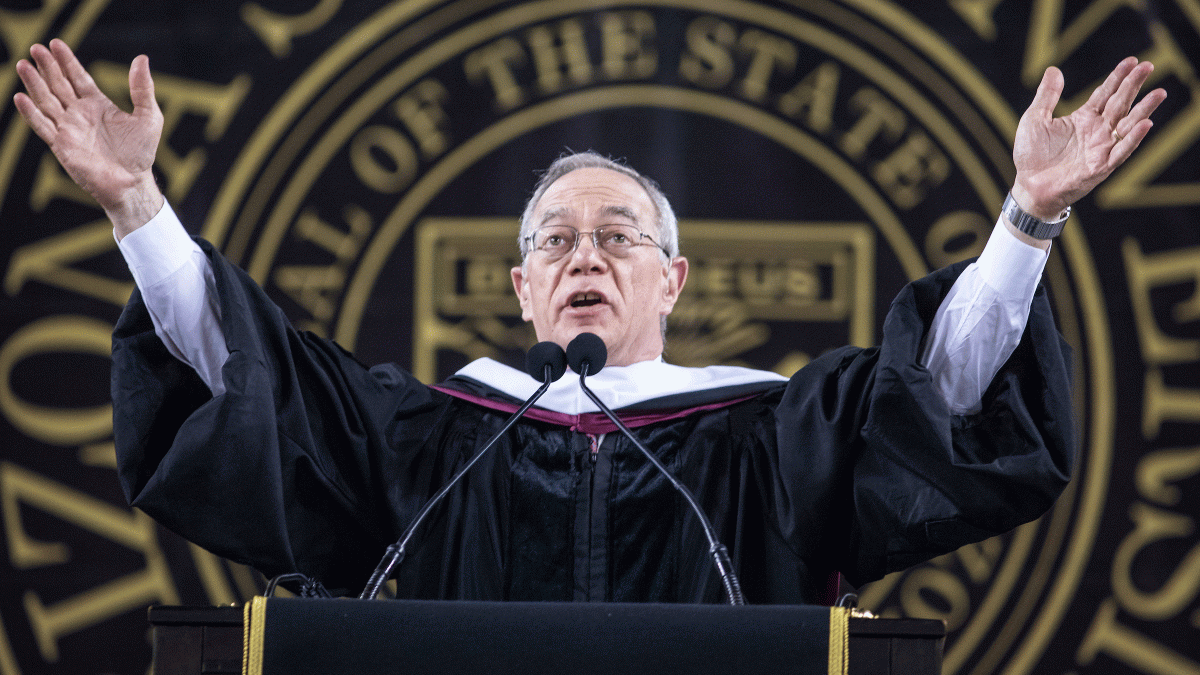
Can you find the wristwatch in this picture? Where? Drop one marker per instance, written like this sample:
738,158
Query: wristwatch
1034,227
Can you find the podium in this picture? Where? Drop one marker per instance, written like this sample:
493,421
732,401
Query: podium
418,637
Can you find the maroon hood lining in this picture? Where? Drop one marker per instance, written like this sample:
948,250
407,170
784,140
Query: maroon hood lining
592,423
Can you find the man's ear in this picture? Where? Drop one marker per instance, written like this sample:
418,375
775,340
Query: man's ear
521,286
676,277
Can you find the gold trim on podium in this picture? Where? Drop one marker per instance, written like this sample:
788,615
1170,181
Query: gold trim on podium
255,618
839,641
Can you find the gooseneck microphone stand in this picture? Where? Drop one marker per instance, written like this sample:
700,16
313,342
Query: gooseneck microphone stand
586,355
546,361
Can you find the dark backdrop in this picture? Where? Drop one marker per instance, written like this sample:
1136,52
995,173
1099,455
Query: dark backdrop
366,162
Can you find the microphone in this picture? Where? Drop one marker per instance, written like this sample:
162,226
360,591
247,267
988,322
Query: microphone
587,355
547,362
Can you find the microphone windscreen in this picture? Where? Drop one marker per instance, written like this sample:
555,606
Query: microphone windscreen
589,348
546,354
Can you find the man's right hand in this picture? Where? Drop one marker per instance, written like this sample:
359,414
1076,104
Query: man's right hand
107,151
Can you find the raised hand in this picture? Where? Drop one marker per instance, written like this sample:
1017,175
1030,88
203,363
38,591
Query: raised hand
107,151
1059,160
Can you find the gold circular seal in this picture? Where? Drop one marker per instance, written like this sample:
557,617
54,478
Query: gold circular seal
842,149
821,154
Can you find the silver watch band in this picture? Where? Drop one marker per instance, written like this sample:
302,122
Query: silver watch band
1034,227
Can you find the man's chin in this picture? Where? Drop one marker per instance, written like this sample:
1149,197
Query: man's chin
619,353
564,336
594,330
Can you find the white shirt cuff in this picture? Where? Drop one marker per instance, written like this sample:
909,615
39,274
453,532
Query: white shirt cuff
1009,265
157,249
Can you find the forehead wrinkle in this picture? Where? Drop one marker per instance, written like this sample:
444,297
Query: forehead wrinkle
620,212
609,211
555,212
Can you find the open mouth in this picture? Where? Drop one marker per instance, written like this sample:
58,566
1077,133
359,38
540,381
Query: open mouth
587,299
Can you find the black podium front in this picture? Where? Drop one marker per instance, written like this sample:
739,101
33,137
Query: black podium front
414,638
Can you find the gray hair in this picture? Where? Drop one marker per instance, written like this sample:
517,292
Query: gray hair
668,227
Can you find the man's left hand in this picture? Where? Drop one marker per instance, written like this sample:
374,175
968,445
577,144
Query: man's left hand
1059,160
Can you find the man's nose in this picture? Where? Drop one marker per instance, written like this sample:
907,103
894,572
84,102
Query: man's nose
586,255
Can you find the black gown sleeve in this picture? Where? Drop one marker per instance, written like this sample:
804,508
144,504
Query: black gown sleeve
288,469
876,474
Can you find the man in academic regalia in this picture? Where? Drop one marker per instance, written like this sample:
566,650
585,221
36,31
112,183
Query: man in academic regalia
275,448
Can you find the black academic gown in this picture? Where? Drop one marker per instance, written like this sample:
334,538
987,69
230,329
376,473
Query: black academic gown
311,462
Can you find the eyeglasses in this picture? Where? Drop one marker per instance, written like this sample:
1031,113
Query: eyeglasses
557,241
